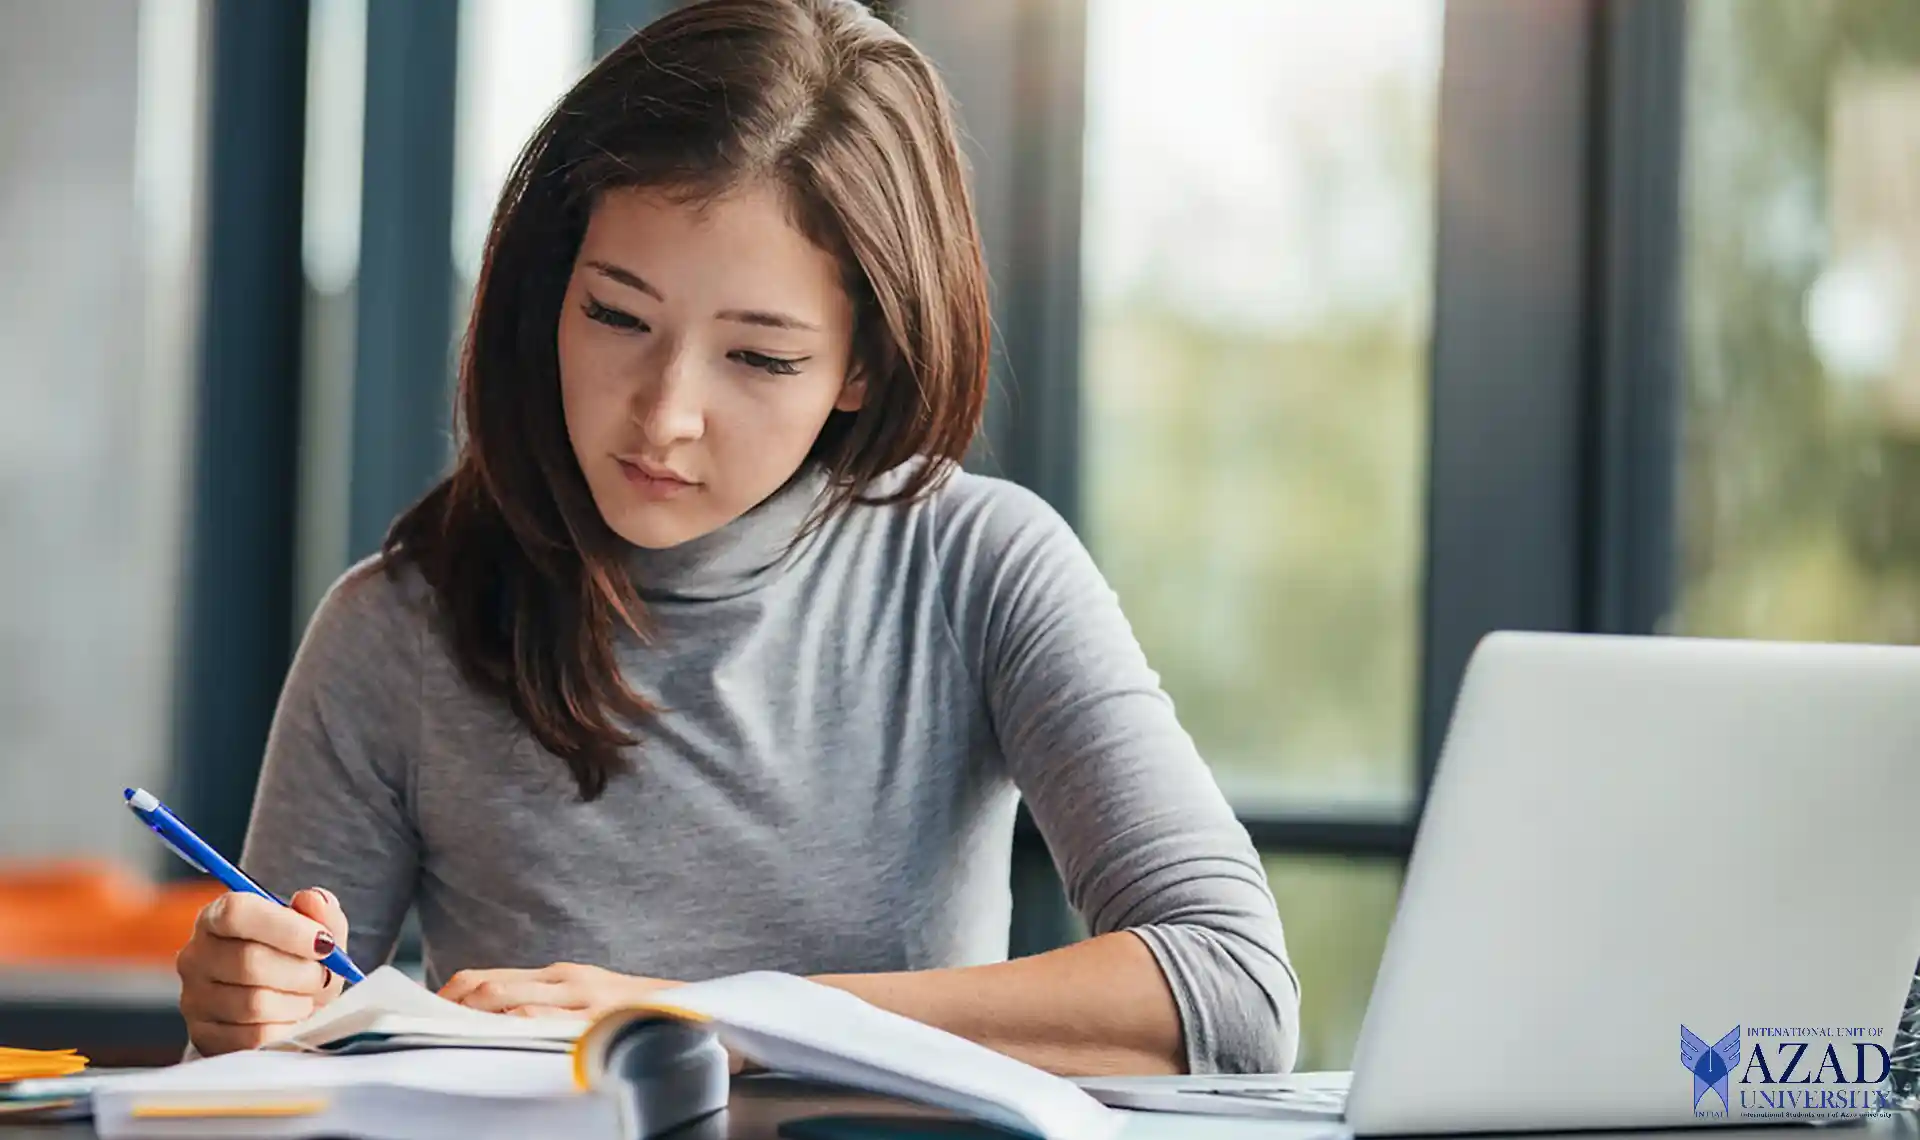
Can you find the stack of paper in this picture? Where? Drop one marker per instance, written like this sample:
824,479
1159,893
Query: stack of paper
413,1095
31,1064
436,1069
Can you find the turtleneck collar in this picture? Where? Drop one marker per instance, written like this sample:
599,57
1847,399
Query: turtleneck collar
737,558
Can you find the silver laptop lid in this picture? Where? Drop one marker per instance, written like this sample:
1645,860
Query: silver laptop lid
1632,846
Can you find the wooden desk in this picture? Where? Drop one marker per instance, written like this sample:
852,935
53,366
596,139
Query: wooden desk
760,1106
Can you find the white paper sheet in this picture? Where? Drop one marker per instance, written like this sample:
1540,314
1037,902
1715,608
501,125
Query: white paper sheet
389,1002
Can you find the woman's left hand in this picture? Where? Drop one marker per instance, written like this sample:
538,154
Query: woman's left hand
561,990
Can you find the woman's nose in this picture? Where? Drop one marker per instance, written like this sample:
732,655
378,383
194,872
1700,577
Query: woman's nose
669,406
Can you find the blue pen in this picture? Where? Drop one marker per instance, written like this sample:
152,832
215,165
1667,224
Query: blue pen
181,840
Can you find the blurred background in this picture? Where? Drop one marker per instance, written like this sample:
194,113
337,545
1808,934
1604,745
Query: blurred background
1342,333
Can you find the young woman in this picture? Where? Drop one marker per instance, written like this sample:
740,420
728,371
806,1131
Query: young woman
707,657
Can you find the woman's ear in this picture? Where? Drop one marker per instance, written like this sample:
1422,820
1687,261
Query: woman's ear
853,394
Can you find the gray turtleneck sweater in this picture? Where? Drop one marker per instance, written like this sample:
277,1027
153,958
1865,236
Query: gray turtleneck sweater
848,726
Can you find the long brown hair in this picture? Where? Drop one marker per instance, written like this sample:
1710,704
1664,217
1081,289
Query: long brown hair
824,100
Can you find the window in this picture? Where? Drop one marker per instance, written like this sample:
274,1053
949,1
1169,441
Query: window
1800,462
517,58
477,76
1337,910
1258,245
1257,241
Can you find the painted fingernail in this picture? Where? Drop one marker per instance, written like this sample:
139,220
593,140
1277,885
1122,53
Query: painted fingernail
323,944
328,895
328,979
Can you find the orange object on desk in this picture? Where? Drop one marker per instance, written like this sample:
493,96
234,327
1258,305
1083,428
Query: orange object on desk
94,912
39,1064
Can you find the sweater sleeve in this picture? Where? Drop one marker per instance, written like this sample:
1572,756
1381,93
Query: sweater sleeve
1142,836
333,805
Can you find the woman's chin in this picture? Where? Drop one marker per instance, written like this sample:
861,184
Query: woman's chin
662,526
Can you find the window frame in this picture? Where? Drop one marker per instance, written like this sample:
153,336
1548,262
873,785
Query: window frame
234,635
403,315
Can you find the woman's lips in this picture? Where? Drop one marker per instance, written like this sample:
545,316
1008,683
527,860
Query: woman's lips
653,483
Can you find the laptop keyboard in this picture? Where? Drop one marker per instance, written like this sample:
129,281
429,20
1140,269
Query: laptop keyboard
1311,1100
1295,1096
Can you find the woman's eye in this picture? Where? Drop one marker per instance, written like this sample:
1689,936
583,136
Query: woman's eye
612,318
772,365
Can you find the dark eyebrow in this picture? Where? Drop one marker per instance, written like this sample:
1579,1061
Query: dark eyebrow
759,317
626,277
766,319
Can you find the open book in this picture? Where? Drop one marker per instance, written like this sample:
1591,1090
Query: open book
799,1028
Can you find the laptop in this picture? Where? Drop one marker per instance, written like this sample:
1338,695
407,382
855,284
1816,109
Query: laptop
1642,861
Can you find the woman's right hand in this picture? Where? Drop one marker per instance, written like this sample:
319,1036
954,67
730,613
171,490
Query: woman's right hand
251,971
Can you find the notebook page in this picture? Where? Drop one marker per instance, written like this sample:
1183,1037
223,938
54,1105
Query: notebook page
386,990
388,1001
